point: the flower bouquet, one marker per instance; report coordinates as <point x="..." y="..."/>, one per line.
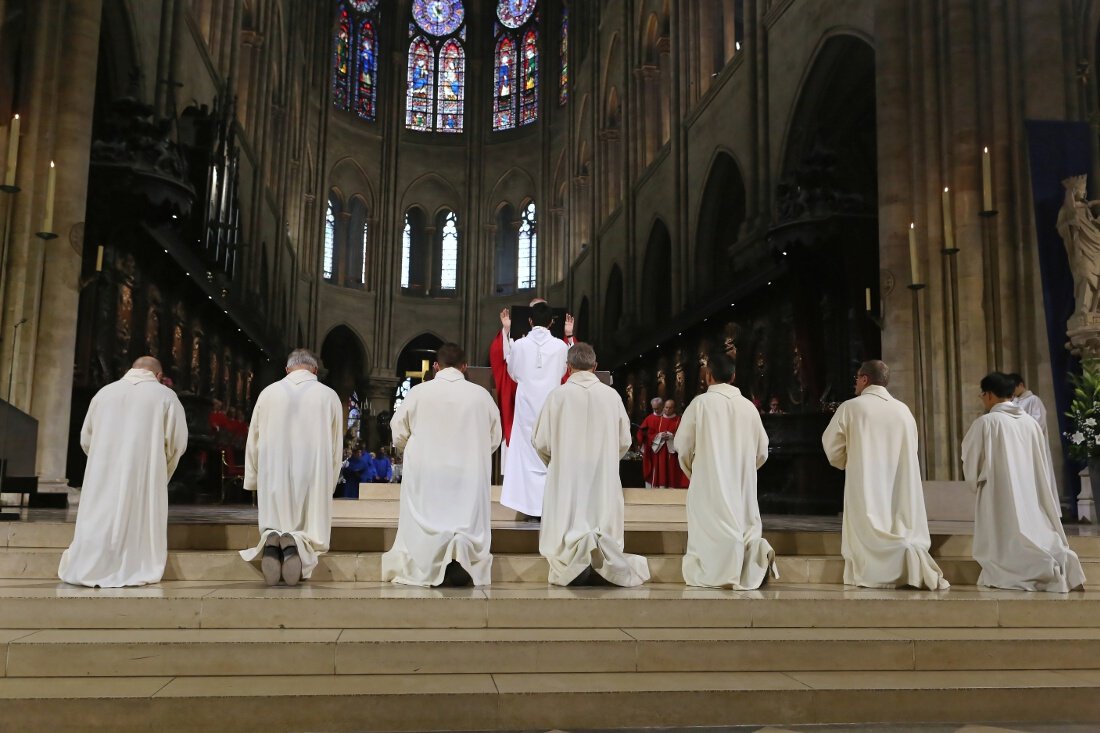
<point x="1084" y="415"/>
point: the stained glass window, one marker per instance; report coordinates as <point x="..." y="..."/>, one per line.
<point x="406" y="252"/>
<point x="563" y="60"/>
<point x="452" y="84"/>
<point x="505" y="85"/>
<point x="448" y="275"/>
<point x="528" y="248"/>
<point x="355" y="59"/>
<point x="329" y="265"/>
<point x="341" y="58"/>
<point x="419" y="107"/>
<point x="514" y="13"/>
<point x="363" y="277"/>
<point x="529" y="93"/>
<point x="436" y="82"/>
<point x="367" y="77"/>
<point x="439" y="17"/>
<point x="516" y="64"/>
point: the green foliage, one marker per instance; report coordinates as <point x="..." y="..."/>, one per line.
<point x="1084" y="415"/>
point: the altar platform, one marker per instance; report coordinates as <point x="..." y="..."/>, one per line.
<point x="212" y="648"/>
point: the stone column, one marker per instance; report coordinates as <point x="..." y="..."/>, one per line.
<point x="54" y="352"/>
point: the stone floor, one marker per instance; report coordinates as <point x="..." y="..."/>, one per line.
<point x="238" y="514"/>
<point x="935" y="728"/>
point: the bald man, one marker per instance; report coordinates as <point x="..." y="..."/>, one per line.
<point x="134" y="434"/>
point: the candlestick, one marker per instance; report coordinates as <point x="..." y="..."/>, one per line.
<point x="914" y="262"/>
<point x="987" y="181"/>
<point x="99" y="259"/>
<point x="867" y="294"/>
<point x="948" y="221"/>
<point x="47" y="231"/>
<point x="13" y="155"/>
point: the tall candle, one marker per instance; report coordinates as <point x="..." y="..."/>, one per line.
<point x="948" y="220"/>
<point x="914" y="264"/>
<point x="99" y="258"/>
<point x="51" y="184"/>
<point x="13" y="152"/>
<point x="987" y="181"/>
<point x="867" y="293"/>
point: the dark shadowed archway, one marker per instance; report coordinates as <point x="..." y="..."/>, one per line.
<point x="655" y="296"/>
<point x="612" y="310"/>
<point x="721" y="217"/>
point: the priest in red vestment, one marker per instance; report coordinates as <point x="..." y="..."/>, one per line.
<point x="505" y="385"/>
<point x="646" y="432"/>
<point x="667" y="473"/>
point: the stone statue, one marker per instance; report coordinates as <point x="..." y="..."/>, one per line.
<point x="680" y="389"/>
<point x="662" y="377"/>
<point x="1080" y="231"/>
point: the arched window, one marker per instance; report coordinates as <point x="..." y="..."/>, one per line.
<point x="529" y="92"/>
<point x="436" y="81"/>
<point x="406" y="252"/>
<point x="452" y="87"/>
<point x="421" y="101"/>
<point x="341" y="58"/>
<point x="355" y="58"/>
<point x="516" y="64"/>
<point x="527" y="265"/>
<point x="363" y="275"/>
<point x="505" y="85"/>
<point x="448" y="260"/>
<point x="328" y="267"/>
<point x="366" y="89"/>
<point x="563" y="58"/>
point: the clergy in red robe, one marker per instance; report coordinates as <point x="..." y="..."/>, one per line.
<point x="505" y="385"/>
<point x="646" y="432"/>
<point x="667" y="473"/>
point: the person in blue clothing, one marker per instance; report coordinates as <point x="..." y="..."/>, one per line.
<point x="357" y="469"/>
<point x="383" y="467"/>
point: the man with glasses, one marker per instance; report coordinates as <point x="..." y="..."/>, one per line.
<point x="873" y="439"/>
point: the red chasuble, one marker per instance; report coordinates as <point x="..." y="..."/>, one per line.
<point x="646" y="431"/>
<point x="506" y="387"/>
<point x="666" y="464"/>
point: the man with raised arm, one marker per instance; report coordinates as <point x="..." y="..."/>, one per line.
<point x="536" y="363"/>
<point x="581" y="434"/>
<point x="505" y="385"/>
<point x="134" y="434"/>
<point x="447" y="430"/>
<point x="292" y="460"/>
<point x="884" y="535"/>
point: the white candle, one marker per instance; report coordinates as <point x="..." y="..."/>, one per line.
<point x="51" y="184"/>
<point x="948" y="220"/>
<point x="914" y="264"/>
<point x="987" y="181"/>
<point x="99" y="259"/>
<point x="867" y="293"/>
<point x="13" y="152"/>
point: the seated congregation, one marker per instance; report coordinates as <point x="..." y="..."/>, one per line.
<point x="448" y="428"/>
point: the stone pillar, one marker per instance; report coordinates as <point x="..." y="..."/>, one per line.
<point x="164" y="58"/>
<point x="55" y="326"/>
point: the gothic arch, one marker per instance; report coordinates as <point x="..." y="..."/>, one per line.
<point x="347" y="175"/>
<point x="513" y="186"/>
<point x="431" y="192"/>
<point x="612" y="309"/>
<point x="344" y="359"/>
<point x="582" y="325"/>
<point x="416" y="349"/>
<point x="655" y="300"/>
<point x="718" y="227"/>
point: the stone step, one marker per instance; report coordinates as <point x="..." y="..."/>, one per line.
<point x="542" y="701"/>
<point x="26" y="604"/>
<point x="201" y="565"/>
<point x="257" y="652"/>
<point x="647" y="538"/>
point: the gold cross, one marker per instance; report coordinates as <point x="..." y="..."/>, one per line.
<point x="424" y="366"/>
